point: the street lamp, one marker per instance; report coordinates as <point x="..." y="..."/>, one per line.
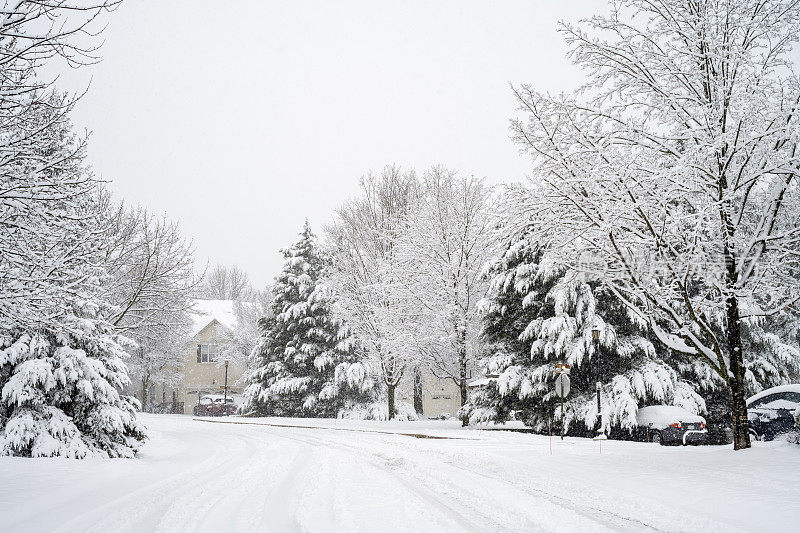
<point x="225" y="393"/>
<point x="596" y="342"/>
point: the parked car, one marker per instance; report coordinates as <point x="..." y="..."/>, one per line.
<point x="215" y="405"/>
<point x="669" y="424"/>
<point x="772" y="412"/>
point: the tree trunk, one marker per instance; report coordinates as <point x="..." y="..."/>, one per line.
<point x="462" y="364"/>
<point x="462" y="382"/>
<point x="390" y="394"/>
<point x="144" y="394"/>
<point x="418" y="407"/>
<point x="462" y="371"/>
<point x="741" y="433"/>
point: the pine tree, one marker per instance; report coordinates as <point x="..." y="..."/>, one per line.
<point x="305" y="362"/>
<point x="537" y="315"/>
<point x="61" y="390"/>
<point x="61" y="361"/>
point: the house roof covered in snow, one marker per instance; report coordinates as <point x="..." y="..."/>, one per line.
<point x="206" y="311"/>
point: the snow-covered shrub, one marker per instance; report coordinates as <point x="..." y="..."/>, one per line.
<point x="404" y="411"/>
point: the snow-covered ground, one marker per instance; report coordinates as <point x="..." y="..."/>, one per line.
<point x="244" y="475"/>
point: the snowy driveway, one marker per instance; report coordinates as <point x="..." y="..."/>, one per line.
<point x="343" y="476"/>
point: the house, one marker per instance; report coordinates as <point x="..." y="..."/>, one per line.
<point x="204" y="356"/>
<point x="202" y="363"/>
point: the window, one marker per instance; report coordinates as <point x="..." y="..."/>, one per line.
<point x="207" y="352"/>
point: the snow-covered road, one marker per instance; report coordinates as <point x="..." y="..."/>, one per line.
<point x="243" y="475"/>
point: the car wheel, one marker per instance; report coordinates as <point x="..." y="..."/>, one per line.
<point x="655" y="437"/>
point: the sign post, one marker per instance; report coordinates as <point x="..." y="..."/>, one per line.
<point x="562" y="389"/>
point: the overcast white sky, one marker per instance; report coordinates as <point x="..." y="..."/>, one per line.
<point x="241" y="119"/>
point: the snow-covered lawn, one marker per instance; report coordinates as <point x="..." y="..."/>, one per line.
<point x="244" y="475"/>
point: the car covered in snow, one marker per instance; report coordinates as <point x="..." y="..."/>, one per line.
<point x="773" y="412"/>
<point x="670" y="424"/>
<point x="215" y="405"/>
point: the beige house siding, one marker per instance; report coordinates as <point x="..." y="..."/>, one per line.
<point x="207" y="378"/>
<point x="440" y="396"/>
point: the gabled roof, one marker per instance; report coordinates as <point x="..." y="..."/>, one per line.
<point x="206" y="311"/>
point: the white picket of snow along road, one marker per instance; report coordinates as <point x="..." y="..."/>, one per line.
<point x="333" y="475"/>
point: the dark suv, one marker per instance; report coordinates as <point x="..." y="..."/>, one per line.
<point x="772" y="412"/>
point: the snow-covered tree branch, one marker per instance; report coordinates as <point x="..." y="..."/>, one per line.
<point x="227" y="283"/>
<point x="150" y="267"/>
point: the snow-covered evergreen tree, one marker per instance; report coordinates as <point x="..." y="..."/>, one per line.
<point x="305" y="362"/>
<point x="772" y="350"/>
<point x="771" y="358"/>
<point x="61" y="390"/>
<point x="61" y="361"/>
<point x="537" y="315"/>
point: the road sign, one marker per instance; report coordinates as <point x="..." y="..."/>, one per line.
<point x="562" y="385"/>
<point x="562" y="368"/>
<point x="562" y="389"/>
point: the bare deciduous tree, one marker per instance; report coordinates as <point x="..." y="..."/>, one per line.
<point x="150" y="267"/>
<point x="364" y="273"/>
<point x="227" y="283"/>
<point x="445" y="243"/>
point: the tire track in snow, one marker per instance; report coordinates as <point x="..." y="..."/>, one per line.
<point x="140" y="505"/>
<point x="275" y="515"/>
<point x="424" y="489"/>
<point x="230" y="500"/>
<point x="606" y="517"/>
<point x="423" y="493"/>
<point x="145" y="508"/>
<point x="602" y="517"/>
